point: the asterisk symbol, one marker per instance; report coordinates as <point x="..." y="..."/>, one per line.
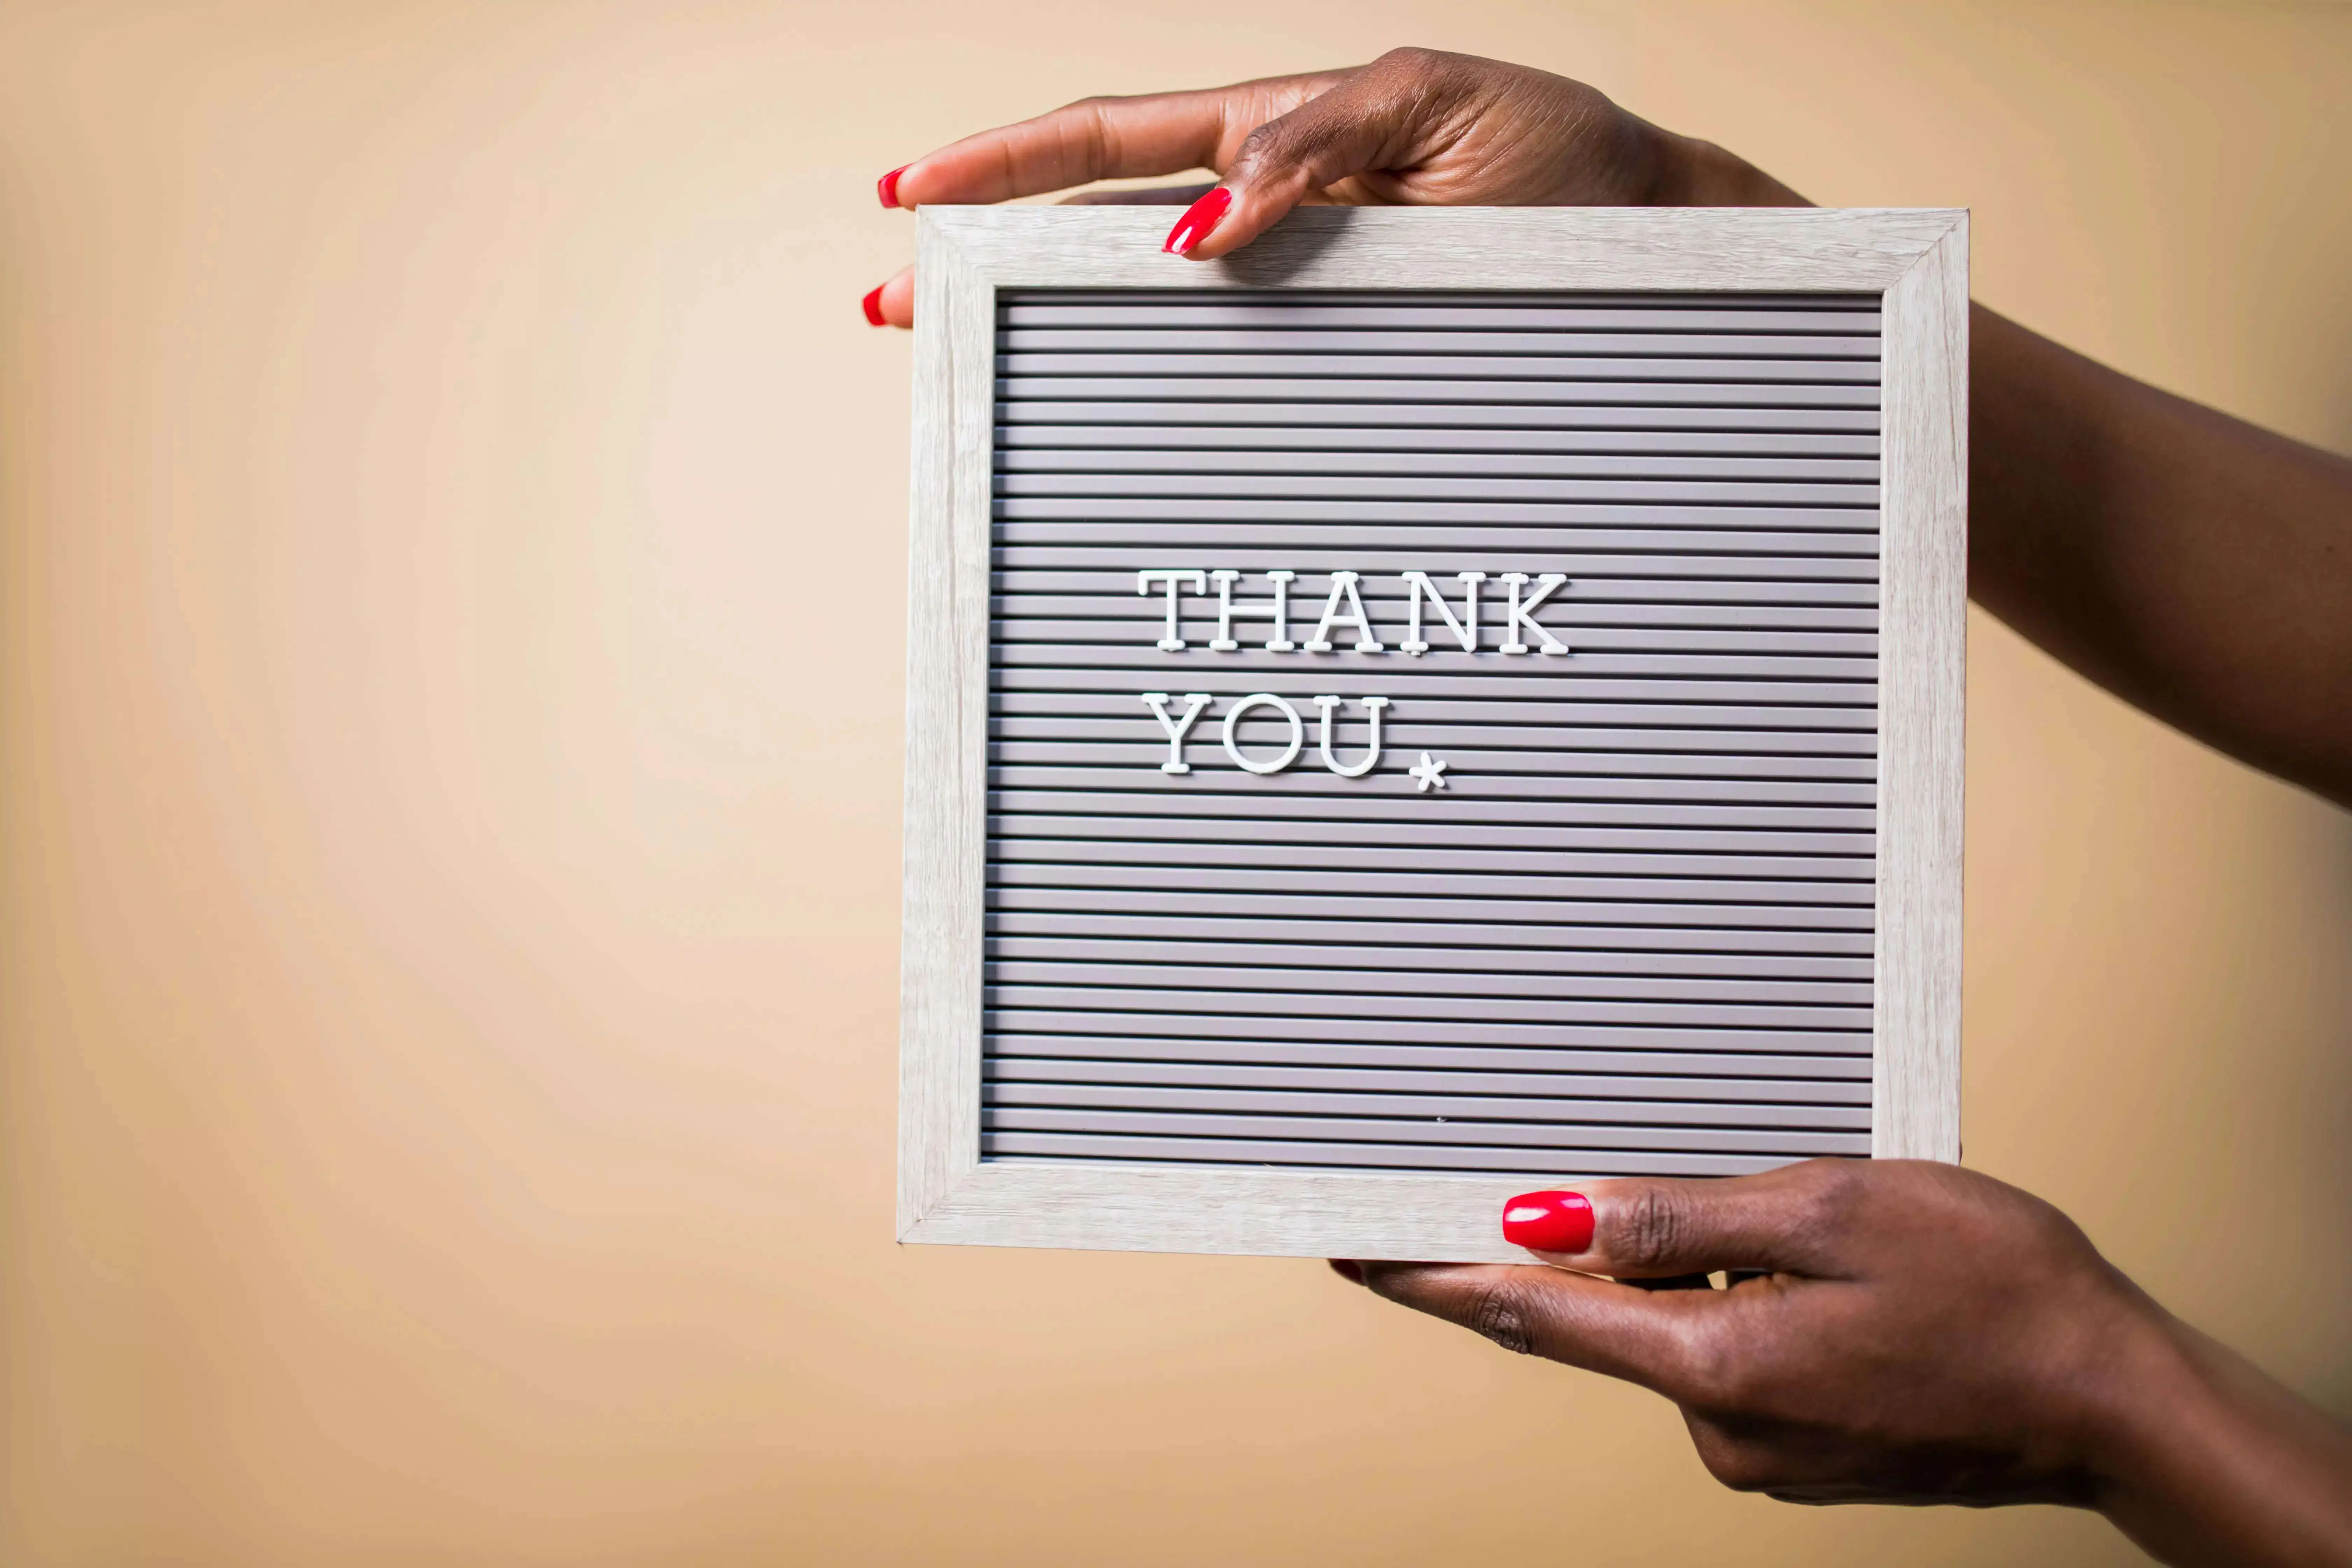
<point x="1429" y="775"/>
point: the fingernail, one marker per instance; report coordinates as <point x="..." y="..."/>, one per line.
<point x="874" y="308"/>
<point x="1353" y="1273"/>
<point x="1198" y="219"/>
<point x="887" y="187"/>
<point x="1549" y="1222"/>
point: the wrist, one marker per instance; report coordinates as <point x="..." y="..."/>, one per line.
<point x="1685" y="171"/>
<point x="2200" y="1458"/>
<point x="2147" y="1390"/>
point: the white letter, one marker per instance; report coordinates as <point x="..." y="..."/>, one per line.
<point x="1157" y="703"/>
<point x="1416" y="583"/>
<point x="1224" y="578"/>
<point x="1372" y="758"/>
<point x="1343" y="585"/>
<point x="1521" y="615"/>
<point x="1298" y="733"/>
<point x="1171" y="643"/>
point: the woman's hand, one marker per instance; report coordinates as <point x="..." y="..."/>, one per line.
<point x="1904" y="1331"/>
<point x="2195" y="565"/>
<point x="1413" y="128"/>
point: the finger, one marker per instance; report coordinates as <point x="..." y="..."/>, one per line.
<point x="1643" y="1337"/>
<point x="893" y="304"/>
<point x="1780" y="1222"/>
<point x="1102" y="139"/>
<point x="1381" y="117"/>
<point x="1353" y="1273"/>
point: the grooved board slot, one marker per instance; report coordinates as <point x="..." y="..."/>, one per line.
<point x="1633" y="933"/>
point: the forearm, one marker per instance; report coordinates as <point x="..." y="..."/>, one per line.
<point x="2197" y="566"/>
<point x="2209" y="1462"/>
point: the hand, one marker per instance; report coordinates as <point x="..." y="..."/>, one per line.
<point x="1916" y="1333"/>
<point x="2193" y="564"/>
<point x="1413" y="128"/>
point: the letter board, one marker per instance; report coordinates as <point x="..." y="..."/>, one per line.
<point x="1438" y="703"/>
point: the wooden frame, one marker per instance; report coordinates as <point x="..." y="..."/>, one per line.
<point x="1916" y="259"/>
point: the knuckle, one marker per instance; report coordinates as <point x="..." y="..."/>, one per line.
<point x="1102" y="134"/>
<point x="1504" y="1311"/>
<point x="2053" y="1229"/>
<point x="1413" y="58"/>
<point x="1838" y="1181"/>
<point x="1744" y="1467"/>
<point x="1717" y="1373"/>
<point x="1837" y="1191"/>
<point x="1733" y="1455"/>
<point x="1286" y="145"/>
<point x="1261" y="144"/>
<point x="1649" y="1228"/>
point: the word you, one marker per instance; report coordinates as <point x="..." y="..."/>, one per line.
<point x="1428" y="775"/>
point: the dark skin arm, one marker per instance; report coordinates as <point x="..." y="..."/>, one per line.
<point x="2196" y="565"/>
<point x="1916" y="1332"/>
<point x="1920" y="1334"/>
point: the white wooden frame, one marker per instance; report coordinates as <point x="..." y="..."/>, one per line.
<point x="1916" y="259"/>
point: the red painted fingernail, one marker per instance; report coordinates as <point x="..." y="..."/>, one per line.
<point x="1549" y="1222"/>
<point x="874" y="308"/>
<point x="1198" y="219"/>
<point x="1353" y="1273"/>
<point x="887" y="187"/>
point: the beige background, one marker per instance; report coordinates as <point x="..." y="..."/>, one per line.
<point x="453" y="522"/>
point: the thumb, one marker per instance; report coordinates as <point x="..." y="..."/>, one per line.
<point x="1374" y="119"/>
<point x="1643" y="1229"/>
